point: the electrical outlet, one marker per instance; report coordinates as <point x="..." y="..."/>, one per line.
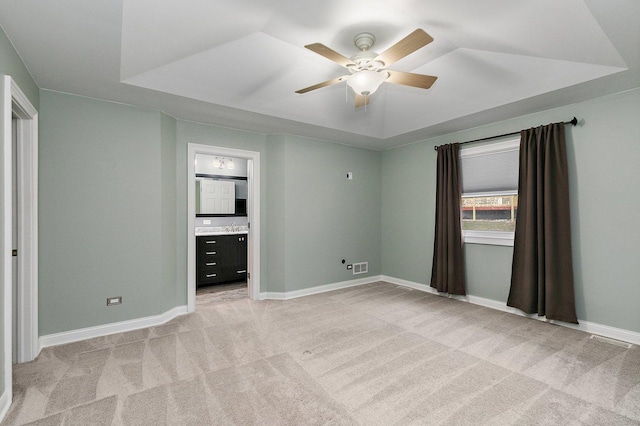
<point x="114" y="300"/>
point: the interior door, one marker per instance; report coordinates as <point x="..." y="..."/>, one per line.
<point x="217" y="196"/>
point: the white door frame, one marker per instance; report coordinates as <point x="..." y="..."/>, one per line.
<point x="15" y="103"/>
<point x="253" y="213"/>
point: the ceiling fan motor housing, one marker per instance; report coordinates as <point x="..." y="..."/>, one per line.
<point x="365" y="61"/>
<point x="365" y="58"/>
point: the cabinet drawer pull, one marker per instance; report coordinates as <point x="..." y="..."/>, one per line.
<point x="210" y="252"/>
<point x="211" y="242"/>
<point x="211" y="275"/>
<point x="241" y="272"/>
<point x="211" y="264"/>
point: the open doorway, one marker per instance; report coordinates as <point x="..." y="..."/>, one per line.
<point x="221" y="228"/>
<point x="243" y="211"/>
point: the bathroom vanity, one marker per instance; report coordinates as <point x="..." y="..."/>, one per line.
<point x="221" y="255"/>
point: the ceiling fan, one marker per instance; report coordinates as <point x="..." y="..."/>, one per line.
<point x="368" y="70"/>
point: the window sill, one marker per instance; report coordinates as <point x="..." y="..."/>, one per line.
<point x="494" y="238"/>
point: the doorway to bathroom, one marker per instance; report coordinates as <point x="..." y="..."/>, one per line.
<point x="219" y="184"/>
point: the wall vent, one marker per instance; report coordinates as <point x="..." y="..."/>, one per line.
<point x="360" y="268"/>
<point x="611" y="341"/>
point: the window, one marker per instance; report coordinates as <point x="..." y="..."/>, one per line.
<point x="490" y="192"/>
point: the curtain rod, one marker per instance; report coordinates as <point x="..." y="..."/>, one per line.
<point x="573" y="121"/>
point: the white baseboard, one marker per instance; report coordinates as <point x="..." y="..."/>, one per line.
<point x="410" y="284"/>
<point x="5" y="403"/>
<point x="586" y="326"/>
<point x="106" y="329"/>
<point x="318" y="289"/>
<point x="103" y="330"/>
<point x="119" y="327"/>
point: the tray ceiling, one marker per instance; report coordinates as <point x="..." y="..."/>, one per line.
<point x="237" y="63"/>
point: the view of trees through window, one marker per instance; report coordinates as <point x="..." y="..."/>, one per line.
<point x="493" y="213"/>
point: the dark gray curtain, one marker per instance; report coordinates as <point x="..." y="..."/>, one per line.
<point x="447" y="272"/>
<point x="542" y="271"/>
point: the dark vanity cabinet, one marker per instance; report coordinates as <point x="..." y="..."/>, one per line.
<point x="220" y="259"/>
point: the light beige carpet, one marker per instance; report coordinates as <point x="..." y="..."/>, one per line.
<point x="213" y="294"/>
<point x="377" y="354"/>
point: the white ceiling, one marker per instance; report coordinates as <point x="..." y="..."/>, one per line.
<point x="237" y="63"/>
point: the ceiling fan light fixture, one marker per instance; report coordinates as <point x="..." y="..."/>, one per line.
<point x="369" y="69"/>
<point x="366" y="82"/>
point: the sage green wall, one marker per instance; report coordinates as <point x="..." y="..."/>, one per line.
<point x="407" y="215"/>
<point x="2" y="236"/>
<point x="327" y="217"/>
<point x="168" y="209"/>
<point x="603" y="153"/>
<point x="11" y="64"/>
<point x="311" y="216"/>
<point x="276" y="213"/>
<point x="113" y="210"/>
<point x="106" y="212"/>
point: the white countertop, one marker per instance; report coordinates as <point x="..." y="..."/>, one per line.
<point x="221" y="230"/>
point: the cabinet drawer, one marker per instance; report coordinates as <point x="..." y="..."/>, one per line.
<point x="208" y="264"/>
<point x="211" y="276"/>
<point x="207" y="243"/>
<point x="208" y="256"/>
<point x="237" y="274"/>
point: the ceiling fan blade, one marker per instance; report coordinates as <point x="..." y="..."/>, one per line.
<point x="414" y="41"/>
<point x="330" y="54"/>
<point x="323" y="84"/>
<point x="361" y="100"/>
<point x="409" y="79"/>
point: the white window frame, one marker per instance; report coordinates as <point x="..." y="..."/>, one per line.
<point x="495" y="238"/>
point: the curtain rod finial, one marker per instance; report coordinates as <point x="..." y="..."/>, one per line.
<point x="574" y="121"/>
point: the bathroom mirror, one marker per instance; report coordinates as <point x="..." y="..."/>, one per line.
<point x="216" y="196"/>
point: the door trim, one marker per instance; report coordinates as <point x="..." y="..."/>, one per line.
<point x="253" y="214"/>
<point x="16" y="103"/>
<point x="27" y="131"/>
